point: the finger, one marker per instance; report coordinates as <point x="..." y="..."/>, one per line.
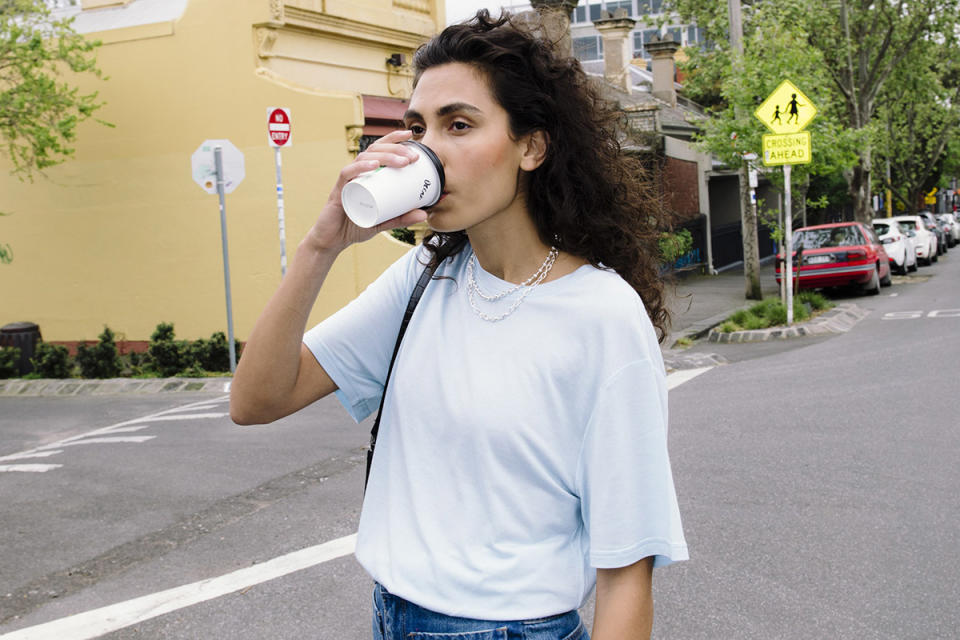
<point x="396" y="136"/>
<point x="392" y="156"/>
<point x="353" y="170"/>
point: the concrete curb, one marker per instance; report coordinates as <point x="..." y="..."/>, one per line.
<point x="77" y="387"/>
<point x="840" y="319"/>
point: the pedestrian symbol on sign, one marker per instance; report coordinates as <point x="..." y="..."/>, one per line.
<point x="786" y="100"/>
<point x="794" y="109"/>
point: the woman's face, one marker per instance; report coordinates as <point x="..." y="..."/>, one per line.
<point x="453" y="111"/>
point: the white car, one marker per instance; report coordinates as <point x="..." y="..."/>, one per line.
<point x="954" y="225"/>
<point x="924" y="240"/>
<point x="898" y="245"/>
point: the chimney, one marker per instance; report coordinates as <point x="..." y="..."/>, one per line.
<point x="664" y="68"/>
<point x="555" y="22"/>
<point x="617" y="48"/>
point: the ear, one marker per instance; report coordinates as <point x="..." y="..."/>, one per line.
<point x="534" y="147"/>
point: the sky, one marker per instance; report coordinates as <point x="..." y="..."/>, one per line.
<point x="458" y="10"/>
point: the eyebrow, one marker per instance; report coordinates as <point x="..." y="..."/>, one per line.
<point x="453" y="107"/>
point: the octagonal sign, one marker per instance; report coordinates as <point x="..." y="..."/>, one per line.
<point x="204" y="166"/>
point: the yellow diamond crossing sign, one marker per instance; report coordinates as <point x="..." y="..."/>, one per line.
<point x="786" y="110"/>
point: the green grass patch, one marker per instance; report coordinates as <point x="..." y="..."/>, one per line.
<point x="773" y="313"/>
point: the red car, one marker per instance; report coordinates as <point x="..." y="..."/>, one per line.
<point x="840" y="255"/>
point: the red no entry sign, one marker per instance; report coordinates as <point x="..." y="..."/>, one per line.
<point x="278" y="127"/>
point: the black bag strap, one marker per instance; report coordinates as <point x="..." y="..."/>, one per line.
<point x="443" y="251"/>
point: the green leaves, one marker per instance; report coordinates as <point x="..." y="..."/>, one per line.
<point x="39" y="111"/>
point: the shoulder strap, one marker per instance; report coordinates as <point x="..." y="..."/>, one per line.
<point x="443" y="252"/>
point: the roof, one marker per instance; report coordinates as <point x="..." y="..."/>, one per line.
<point x="682" y="118"/>
<point x="136" y="13"/>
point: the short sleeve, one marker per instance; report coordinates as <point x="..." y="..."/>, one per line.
<point x="627" y="495"/>
<point x="354" y="344"/>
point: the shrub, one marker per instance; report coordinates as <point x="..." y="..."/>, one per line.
<point x="167" y="356"/>
<point x="9" y="362"/>
<point x="403" y="235"/>
<point x="102" y="360"/>
<point x="52" y="361"/>
<point x="729" y="327"/>
<point x="816" y="300"/>
<point x="740" y="317"/>
<point x="674" y="245"/>
<point x="215" y="355"/>
<point x="755" y="322"/>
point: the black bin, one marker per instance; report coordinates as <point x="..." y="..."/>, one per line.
<point x="23" y="336"/>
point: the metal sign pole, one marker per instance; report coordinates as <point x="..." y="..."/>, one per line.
<point x="788" y="241"/>
<point x="280" y="217"/>
<point x="218" y="159"/>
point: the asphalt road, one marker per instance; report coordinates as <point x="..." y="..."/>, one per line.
<point x="817" y="481"/>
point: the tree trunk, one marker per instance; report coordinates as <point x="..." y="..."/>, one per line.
<point x="748" y="228"/>
<point x="859" y="184"/>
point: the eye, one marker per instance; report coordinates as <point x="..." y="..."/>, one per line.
<point x="459" y="125"/>
<point x="418" y="130"/>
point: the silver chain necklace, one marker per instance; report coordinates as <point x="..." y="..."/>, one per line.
<point x="474" y="291"/>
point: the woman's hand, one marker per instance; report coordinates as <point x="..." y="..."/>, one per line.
<point x="333" y="230"/>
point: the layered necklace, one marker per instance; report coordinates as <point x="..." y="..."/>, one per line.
<point x="524" y="288"/>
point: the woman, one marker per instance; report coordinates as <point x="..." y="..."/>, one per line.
<point x="522" y="452"/>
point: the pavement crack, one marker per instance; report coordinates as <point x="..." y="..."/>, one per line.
<point x="119" y="559"/>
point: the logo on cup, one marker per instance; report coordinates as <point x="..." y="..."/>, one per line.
<point x="426" y="185"/>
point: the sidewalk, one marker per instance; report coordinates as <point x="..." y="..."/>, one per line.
<point x="700" y="302"/>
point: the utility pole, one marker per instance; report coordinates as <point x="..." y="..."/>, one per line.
<point x="748" y="213"/>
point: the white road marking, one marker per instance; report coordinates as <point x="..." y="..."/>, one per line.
<point x="136" y="424"/>
<point x="178" y="416"/>
<point x="116" y="440"/>
<point x="35" y="454"/>
<point x="677" y="378"/>
<point x="32" y="468"/>
<point x="128" y="429"/>
<point x="97" y="622"/>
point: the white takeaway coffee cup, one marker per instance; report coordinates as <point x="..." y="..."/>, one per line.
<point x="387" y="192"/>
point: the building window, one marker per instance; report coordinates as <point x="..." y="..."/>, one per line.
<point x="675" y="34"/>
<point x="620" y="4"/>
<point x="651" y="7"/>
<point x="580" y="13"/>
<point x="588" y="48"/>
<point x="640" y="38"/>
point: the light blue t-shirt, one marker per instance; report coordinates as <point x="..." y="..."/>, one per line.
<point x="514" y="457"/>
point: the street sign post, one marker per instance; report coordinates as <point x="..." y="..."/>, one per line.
<point x="279" y="131"/>
<point x="786" y="112"/>
<point x="218" y="168"/>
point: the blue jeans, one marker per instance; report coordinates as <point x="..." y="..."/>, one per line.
<point x="397" y="619"/>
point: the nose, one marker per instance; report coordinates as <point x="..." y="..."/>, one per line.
<point x="432" y="141"/>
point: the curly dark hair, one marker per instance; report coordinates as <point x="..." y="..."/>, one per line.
<point x="588" y="197"/>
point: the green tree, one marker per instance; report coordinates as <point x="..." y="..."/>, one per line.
<point x="919" y="114"/>
<point x="40" y="109"/>
<point x="863" y="42"/>
<point x="776" y="47"/>
<point x="854" y="44"/>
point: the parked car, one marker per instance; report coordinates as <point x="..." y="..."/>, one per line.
<point x="839" y="255"/>
<point x="950" y="226"/>
<point x="925" y="241"/>
<point x="931" y="223"/>
<point x="897" y="244"/>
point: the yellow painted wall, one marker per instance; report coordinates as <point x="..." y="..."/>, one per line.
<point x="121" y="235"/>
